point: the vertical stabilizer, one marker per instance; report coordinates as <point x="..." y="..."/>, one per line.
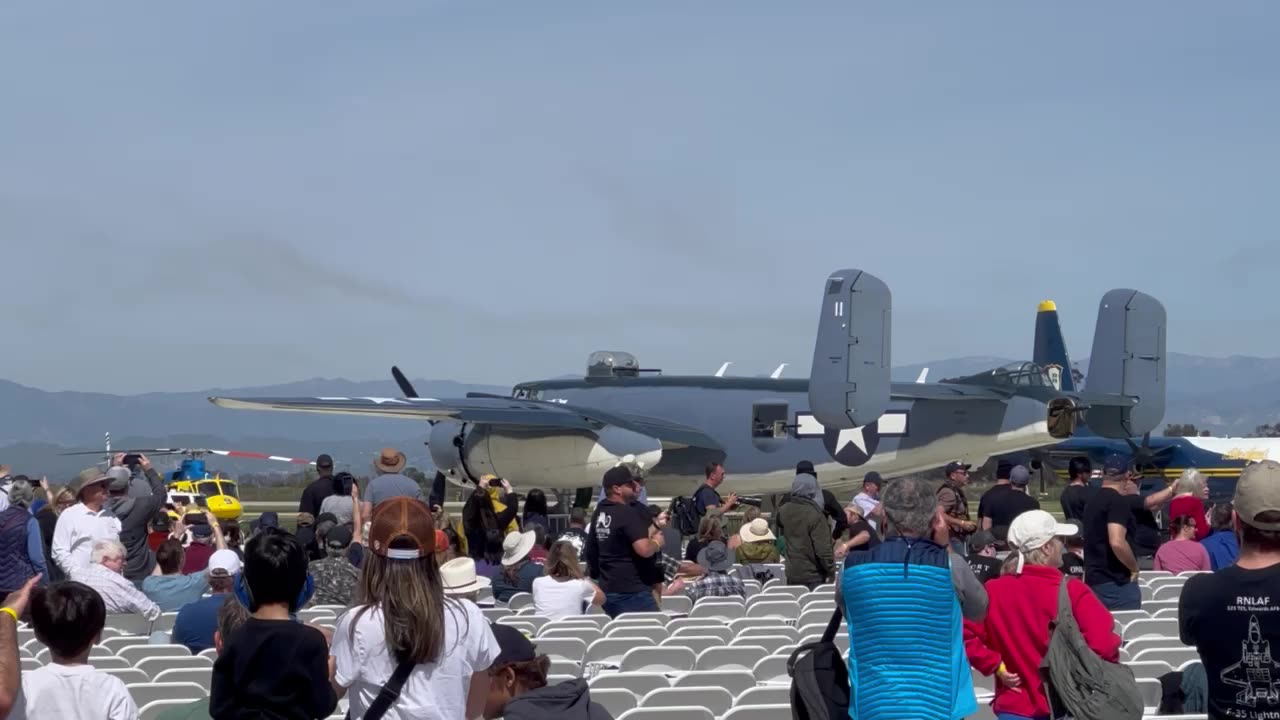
<point x="1128" y="360"/>
<point x="1050" y="350"/>
<point x="849" y="385"/>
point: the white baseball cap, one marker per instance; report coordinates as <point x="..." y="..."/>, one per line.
<point x="224" y="563"/>
<point x="1034" y="528"/>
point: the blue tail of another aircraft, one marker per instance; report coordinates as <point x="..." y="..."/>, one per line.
<point x="1050" y="350"/>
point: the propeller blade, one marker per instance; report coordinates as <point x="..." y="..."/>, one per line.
<point x="406" y="387"/>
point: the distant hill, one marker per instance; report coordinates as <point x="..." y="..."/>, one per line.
<point x="1230" y="395"/>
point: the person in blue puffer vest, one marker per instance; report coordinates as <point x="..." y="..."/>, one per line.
<point x="904" y="601"/>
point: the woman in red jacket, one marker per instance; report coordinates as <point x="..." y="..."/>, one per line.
<point x="1011" y="641"/>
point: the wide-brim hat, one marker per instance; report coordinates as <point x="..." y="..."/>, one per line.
<point x="756" y="530"/>
<point x="516" y="546"/>
<point x="90" y="477"/>
<point x="458" y="576"/>
<point x="390" y="460"/>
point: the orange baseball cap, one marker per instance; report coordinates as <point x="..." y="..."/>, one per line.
<point x="404" y="523"/>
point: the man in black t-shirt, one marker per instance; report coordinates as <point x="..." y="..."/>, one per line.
<point x="1232" y="617"/>
<point x="1111" y="567"/>
<point x="1076" y="495"/>
<point x="707" y="496"/>
<point x="1002" y="503"/>
<point x="621" y="544"/>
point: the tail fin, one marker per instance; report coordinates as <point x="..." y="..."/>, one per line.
<point x="849" y="383"/>
<point x="1128" y="360"/>
<point x="1050" y="350"/>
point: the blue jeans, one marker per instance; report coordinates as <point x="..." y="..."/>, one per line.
<point x="1115" y="596"/>
<point x="616" y="604"/>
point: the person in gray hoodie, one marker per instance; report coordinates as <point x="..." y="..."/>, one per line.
<point x="518" y="687"/>
<point x="807" y="534"/>
<point x="135" y="514"/>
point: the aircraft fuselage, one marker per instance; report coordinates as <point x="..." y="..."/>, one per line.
<point x="913" y="435"/>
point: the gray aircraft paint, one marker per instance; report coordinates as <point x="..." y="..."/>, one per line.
<point x="571" y="429"/>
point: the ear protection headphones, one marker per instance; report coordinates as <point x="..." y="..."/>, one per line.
<point x="245" y="596"/>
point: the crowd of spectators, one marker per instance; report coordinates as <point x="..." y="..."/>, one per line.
<point x="929" y="584"/>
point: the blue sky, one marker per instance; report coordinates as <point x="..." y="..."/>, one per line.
<point x="246" y="193"/>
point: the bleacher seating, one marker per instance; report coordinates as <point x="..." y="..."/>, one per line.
<point x="717" y="659"/>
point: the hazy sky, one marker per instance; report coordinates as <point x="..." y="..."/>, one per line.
<point x="247" y="193"/>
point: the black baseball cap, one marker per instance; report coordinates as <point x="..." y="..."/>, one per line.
<point x="804" y="467"/>
<point x="955" y="465"/>
<point x="615" y="476"/>
<point x="338" y="537"/>
<point x="324" y="461"/>
<point x="513" y="646"/>
<point x="874" y="478"/>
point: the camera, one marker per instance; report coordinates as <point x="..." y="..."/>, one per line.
<point x="751" y="500"/>
<point x="131" y="460"/>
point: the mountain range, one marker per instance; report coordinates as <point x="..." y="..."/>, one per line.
<point x="1227" y="396"/>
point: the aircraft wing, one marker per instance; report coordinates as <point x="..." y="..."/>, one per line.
<point x="946" y="391"/>
<point x="481" y="410"/>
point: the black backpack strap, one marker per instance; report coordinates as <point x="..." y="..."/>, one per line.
<point x="829" y="635"/>
<point x="390" y="692"/>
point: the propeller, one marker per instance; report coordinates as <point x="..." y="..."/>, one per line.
<point x="1144" y="455"/>
<point x="406" y="387"/>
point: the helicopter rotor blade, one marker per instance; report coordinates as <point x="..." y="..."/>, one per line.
<point x="258" y="456"/>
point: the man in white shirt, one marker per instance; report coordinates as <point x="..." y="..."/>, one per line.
<point x="84" y="523"/>
<point x="105" y="573"/>
<point x="868" y="501"/>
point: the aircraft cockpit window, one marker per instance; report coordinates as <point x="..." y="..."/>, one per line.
<point x="229" y="489"/>
<point x="208" y="487"/>
<point x="523" y="393"/>
<point x="1022" y="375"/>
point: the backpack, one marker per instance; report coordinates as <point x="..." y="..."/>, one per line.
<point x="1077" y="681"/>
<point x="820" y="678"/>
<point x="684" y="515"/>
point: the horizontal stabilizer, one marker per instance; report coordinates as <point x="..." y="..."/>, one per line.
<point x="849" y="385"/>
<point x="1128" y="360"/>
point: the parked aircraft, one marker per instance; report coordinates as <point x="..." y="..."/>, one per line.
<point x="1219" y="458"/>
<point x="847" y="417"/>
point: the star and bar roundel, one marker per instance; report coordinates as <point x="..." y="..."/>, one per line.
<point x="854" y="446"/>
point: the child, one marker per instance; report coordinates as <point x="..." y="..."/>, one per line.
<point x="518" y="688"/>
<point x="68" y="618"/>
<point x="1073" y="558"/>
<point x="273" y="666"/>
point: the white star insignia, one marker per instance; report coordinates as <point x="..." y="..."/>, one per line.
<point x="852" y="436"/>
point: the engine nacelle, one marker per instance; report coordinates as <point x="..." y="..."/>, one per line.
<point x="1062" y="418"/>
<point x="529" y="457"/>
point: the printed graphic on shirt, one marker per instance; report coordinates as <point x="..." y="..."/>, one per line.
<point x="577" y="541"/>
<point x="602" y="527"/>
<point x="1257" y="674"/>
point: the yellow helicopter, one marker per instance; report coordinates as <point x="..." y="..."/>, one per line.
<point x="192" y="486"/>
